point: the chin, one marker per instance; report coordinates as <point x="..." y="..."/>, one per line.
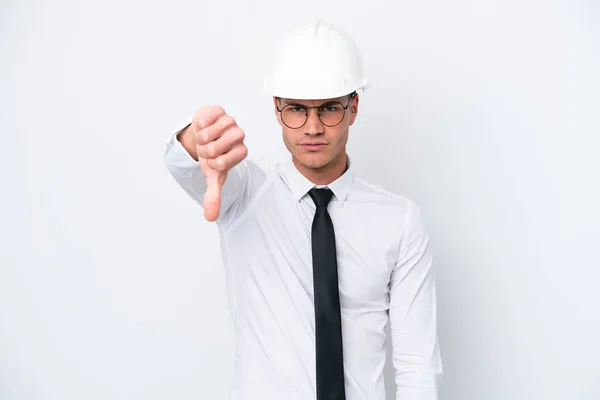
<point x="313" y="161"/>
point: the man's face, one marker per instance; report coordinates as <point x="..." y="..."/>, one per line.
<point x="316" y="145"/>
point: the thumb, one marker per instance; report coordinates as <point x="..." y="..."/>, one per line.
<point x="212" y="197"/>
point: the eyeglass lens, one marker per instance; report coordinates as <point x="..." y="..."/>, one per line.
<point x="295" y="115"/>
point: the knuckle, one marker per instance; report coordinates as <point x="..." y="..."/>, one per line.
<point x="201" y="111"/>
<point x="201" y="137"/>
<point x="228" y="120"/>
<point x="207" y="115"/>
<point x="241" y="135"/>
<point x="236" y="135"/>
<point x="213" y="110"/>
<point x="220" y="164"/>
<point x="211" y="163"/>
<point x="211" y="150"/>
<point x="201" y="151"/>
<point x="243" y="152"/>
<point x="197" y="122"/>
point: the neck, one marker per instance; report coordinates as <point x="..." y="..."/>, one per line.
<point x="326" y="174"/>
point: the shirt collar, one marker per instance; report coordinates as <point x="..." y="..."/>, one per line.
<point x="299" y="185"/>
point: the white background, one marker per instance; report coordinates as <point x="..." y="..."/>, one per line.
<point x="485" y="113"/>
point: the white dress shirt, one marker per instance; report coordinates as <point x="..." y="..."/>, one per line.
<point x="384" y="268"/>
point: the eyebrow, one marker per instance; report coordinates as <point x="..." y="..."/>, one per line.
<point x="291" y="103"/>
<point x="295" y="103"/>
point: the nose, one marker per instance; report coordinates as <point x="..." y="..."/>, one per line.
<point x="313" y="125"/>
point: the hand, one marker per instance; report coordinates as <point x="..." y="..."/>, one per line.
<point x="220" y="146"/>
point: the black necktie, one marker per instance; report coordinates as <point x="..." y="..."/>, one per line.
<point x="328" y="321"/>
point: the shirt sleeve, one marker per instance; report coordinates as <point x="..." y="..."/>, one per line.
<point x="416" y="355"/>
<point x="241" y="184"/>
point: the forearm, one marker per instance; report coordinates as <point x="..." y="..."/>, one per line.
<point x="416" y="358"/>
<point x="416" y="354"/>
<point x="183" y="165"/>
<point x="413" y="315"/>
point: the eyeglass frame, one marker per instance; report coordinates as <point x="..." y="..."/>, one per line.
<point x="352" y="95"/>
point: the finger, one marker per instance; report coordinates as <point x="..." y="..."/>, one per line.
<point x="230" y="137"/>
<point x="212" y="200"/>
<point x="230" y="159"/>
<point x="215" y="130"/>
<point x="206" y="116"/>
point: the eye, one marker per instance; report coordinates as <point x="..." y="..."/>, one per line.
<point x="293" y="108"/>
<point x="332" y="107"/>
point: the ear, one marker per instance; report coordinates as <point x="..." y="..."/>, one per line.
<point x="353" y="109"/>
<point x="277" y="114"/>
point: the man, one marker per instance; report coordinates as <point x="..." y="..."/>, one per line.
<point x="317" y="260"/>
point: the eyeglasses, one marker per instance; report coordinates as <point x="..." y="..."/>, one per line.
<point x="332" y="113"/>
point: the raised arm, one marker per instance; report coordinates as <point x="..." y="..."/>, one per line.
<point x="208" y="160"/>
<point x="413" y="324"/>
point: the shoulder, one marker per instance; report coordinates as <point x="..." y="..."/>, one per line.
<point x="396" y="219"/>
<point x="259" y="165"/>
<point x="396" y="209"/>
<point x="379" y="195"/>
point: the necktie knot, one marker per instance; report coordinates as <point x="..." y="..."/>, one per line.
<point x="321" y="196"/>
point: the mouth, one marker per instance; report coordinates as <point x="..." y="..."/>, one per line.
<point x="313" y="146"/>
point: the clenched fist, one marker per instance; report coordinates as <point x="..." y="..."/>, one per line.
<point x="219" y="143"/>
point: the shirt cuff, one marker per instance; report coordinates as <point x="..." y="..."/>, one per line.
<point x="175" y="153"/>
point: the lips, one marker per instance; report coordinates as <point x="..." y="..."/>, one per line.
<point x="310" y="146"/>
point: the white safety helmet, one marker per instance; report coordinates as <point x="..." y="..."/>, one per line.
<point x="316" y="61"/>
